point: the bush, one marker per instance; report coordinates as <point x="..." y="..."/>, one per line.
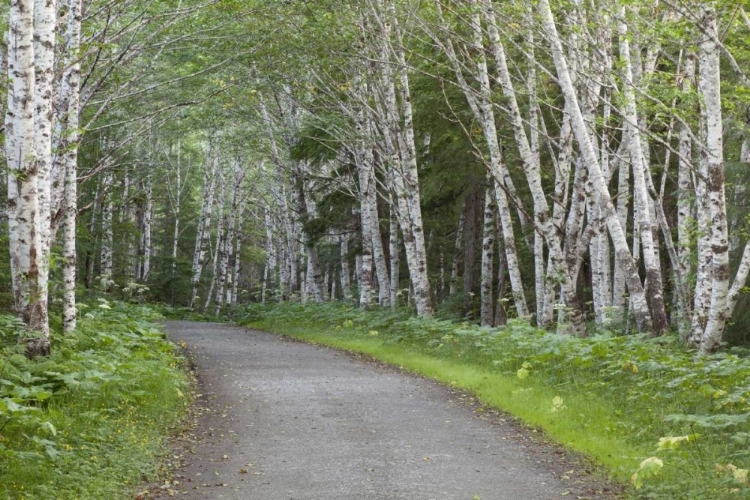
<point x="89" y="420"/>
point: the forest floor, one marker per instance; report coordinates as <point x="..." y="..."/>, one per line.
<point x="281" y="419"/>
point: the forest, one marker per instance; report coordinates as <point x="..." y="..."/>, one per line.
<point x="577" y="166"/>
<point x="427" y="155"/>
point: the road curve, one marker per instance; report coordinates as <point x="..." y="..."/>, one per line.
<point x="284" y="420"/>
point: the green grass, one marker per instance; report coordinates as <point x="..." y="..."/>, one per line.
<point x="618" y="395"/>
<point x="92" y="420"/>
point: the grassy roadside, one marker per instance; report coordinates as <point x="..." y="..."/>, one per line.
<point x="636" y="406"/>
<point x="91" y="421"/>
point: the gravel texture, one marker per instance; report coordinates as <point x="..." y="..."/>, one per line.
<point x="284" y="420"/>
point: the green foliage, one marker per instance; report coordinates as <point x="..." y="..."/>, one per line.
<point x="89" y="421"/>
<point x="689" y="413"/>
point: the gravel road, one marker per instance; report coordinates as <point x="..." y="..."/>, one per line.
<point x="285" y="420"/>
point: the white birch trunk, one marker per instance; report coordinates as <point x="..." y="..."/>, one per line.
<point x="45" y="20"/>
<point x="501" y="316"/>
<point x="148" y="215"/>
<point x="560" y="199"/>
<point x="378" y="256"/>
<point x="395" y="254"/>
<point x="106" y="257"/>
<point x="487" y="310"/>
<point x="284" y="266"/>
<point x="405" y="179"/>
<point x="482" y="108"/>
<point x="712" y="155"/>
<point x="269" y="278"/>
<point x="685" y="194"/>
<point x="233" y="297"/>
<point x="23" y="197"/>
<point x="640" y="304"/>
<point x="641" y="196"/>
<point x="226" y="281"/>
<point x="227" y="244"/>
<point x="176" y="199"/>
<point x="346" y="289"/>
<point x="204" y="224"/>
<point x="619" y="289"/>
<point x="71" y="83"/>
<point x="220" y="239"/>
<point x="93" y="226"/>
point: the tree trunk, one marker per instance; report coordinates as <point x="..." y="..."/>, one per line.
<point x="220" y="239"/>
<point x="378" y="255"/>
<point x="105" y="256"/>
<point x="71" y="86"/>
<point x="394" y="253"/>
<point x="269" y="278"/>
<point x="45" y="21"/>
<point x="148" y="215"/>
<point x="488" y="246"/>
<point x="501" y="316"/>
<point x="346" y="290"/>
<point x="23" y="197"/>
<point x="405" y="177"/>
<point x="712" y="165"/>
<point x="204" y="222"/>
<point x="685" y="194"/>
<point x="642" y="199"/>
<point x="622" y="252"/>
<point x="233" y="297"/>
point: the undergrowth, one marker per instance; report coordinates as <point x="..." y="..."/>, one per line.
<point x="670" y="424"/>
<point x="89" y="421"/>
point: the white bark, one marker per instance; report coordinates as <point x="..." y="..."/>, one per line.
<point x="712" y="156"/>
<point x="488" y="245"/>
<point x="106" y="257"/>
<point x="378" y="255"/>
<point x="23" y="196"/>
<point x="148" y="214"/>
<point x="228" y="243"/>
<point x="685" y="194"/>
<point x="45" y="20"/>
<point x="233" y="297"/>
<point x="346" y="289"/>
<point x="220" y="239"/>
<point x="404" y="175"/>
<point x="204" y="223"/>
<point x="641" y="198"/>
<point x="453" y="286"/>
<point x="640" y="304"/>
<point x="482" y="108"/>
<point x="71" y="86"/>
<point x="394" y="250"/>
<point x="269" y="278"/>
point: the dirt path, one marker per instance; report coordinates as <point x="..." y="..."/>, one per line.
<point x="284" y="420"/>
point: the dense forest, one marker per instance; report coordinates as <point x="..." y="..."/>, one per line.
<point x="579" y="164"/>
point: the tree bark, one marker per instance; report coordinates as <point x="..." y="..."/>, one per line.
<point x="105" y="256"/>
<point x="712" y="164"/>
<point x="395" y="255"/>
<point x="488" y="245"/>
<point x="642" y="199"/>
<point x="71" y="86"/>
<point x="622" y="252"/>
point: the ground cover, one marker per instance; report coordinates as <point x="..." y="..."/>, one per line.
<point x="91" y="420"/>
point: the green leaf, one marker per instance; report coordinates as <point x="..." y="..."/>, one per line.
<point x="650" y="467"/>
